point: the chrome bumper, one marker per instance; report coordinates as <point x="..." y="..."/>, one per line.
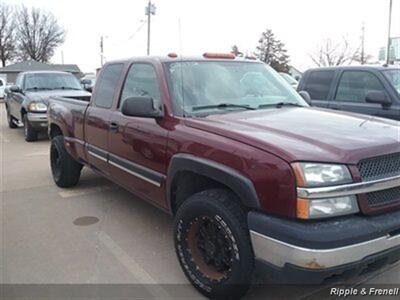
<point x="37" y="117"/>
<point x="349" y="189"/>
<point x="280" y="253"/>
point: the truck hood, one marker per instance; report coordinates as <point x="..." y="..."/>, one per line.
<point x="307" y="134"/>
<point x="43" y="96"/>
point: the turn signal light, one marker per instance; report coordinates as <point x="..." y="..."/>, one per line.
<point x="302" y="208"/>
<point x="219" y="55"/>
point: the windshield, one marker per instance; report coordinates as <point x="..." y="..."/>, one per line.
<point x="207" y="87"/>
<point x="288" y="78"/>
<point x="394" y="78"/>
<point x="51" y="81"/>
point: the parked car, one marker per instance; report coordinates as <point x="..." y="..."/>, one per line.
<point x="27" y="100"/>
<point x="293" y="82"/>
<point x="2" y="87"/>
<point x="249" y="171"/>
<point x="88" y="82"/>
<point x="366" y="90"/>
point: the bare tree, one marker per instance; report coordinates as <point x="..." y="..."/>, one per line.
<point x="7" y="33"/>
<point x="334" y="54"/>
<point x="38" y="33"/>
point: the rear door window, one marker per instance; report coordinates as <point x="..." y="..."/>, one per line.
<point x="318" y="84"/>
<point x="354" y="86"/>
<point x="107" y="86"/>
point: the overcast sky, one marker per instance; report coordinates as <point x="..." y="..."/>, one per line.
<point x="213" y="25"/>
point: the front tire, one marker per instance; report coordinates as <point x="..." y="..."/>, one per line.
<point x="66" y="171"/>
<point x="30" y="133"/>
<point x="213" y="245"/>
<point x="11" y="120"/>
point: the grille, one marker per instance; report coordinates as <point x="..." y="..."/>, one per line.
<point x="380" y="167"/>
<point x="383" y="197"/>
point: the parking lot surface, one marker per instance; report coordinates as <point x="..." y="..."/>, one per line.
<point x="94" y="233"/>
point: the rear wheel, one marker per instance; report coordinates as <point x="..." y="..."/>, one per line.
<point x="66" y="171"/>
<point x="30" y="133"/>
<point x="213" y="245"/>
<point x="11" y="120"/>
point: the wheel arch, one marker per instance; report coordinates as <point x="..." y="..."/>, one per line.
<point x="54" y="130"/>
<point x="188" y="174"/>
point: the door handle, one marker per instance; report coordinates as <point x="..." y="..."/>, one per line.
<point x="113" y="126"/>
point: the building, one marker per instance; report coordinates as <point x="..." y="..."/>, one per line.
<point x="296" y="73"/>
<point x="10" y="72"/>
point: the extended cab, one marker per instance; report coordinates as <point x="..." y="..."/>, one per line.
<point x="249" y="171"/>
<point x="366" y="90"/>
<point x="27" y="100"/>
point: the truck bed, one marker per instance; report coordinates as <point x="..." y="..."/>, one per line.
<point x="72" y="111"/>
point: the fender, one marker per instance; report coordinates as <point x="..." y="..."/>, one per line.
<point x="239" y="184"/>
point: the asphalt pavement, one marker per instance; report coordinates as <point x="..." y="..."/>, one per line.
<point x="93" y="235"/>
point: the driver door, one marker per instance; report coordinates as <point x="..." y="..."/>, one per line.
<point x="137" y="146"/>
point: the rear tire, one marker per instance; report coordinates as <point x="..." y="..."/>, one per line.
<point x="213" y="244"/>
<point x="66" y="171"/>
<point x="11" y="120"/>
<point x="30" y="133"/>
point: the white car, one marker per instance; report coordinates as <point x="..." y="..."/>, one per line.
<point x="2" y="87"/>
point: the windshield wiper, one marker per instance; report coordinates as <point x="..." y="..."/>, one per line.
<point x="67" y="88"/>
<point x="35" y="88"/>
<point x="280" y="104"/>
<point x="223" y="105"/>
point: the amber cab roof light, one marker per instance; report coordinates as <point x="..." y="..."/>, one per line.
<point x="219" y="55"/>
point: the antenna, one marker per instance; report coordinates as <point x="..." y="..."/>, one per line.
<point x="181" y="65"/>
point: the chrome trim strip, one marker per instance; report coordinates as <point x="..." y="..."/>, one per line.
<point x="349" y="189"/>
<point x="158" y="184"/>
<point x="280" y="253"/>
<point x="97" y="156"/>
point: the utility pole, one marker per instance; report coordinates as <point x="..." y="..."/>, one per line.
<point x="150" y="10"/>
<point x="389" y="30"/>
<point x="62" y="56"/>
<point x="363" y="44"/>
<point x="101" y="50"/>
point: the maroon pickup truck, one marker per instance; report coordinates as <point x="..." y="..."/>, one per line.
<point x="249" y="171"/>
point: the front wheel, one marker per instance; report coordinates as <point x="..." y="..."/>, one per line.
<point x="66" y="171"/>
<point x="30" y="133"/>
<point x="213" y="245"/>
<point x="11" y="120"/>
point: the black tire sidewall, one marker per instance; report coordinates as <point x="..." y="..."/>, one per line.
<point x="240" y="276"/>
<point x="69" y="170"/>
<point x="10" y="119"/>
<point x="29" y="132"/>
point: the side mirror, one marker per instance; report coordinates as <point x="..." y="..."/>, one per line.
<point x="377" y="97"/>
<point x="85" y="81"/>
<point x="306" y="96"/>
<point x="15" y="89"/>
<point x="140" y="107"/>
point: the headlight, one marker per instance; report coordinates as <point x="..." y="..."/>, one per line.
<point x="323" y="208"/>
<point x="316" y="175"/>
<point x="311" y="175"/>
<point x="37" y="107"/>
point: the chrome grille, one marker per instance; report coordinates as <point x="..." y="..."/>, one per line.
<point x="380" y="167"/>
<point x="383" y="197"/>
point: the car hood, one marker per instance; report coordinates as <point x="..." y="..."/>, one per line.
<point x="43" y="96"/>
<point x="307" y="134"/>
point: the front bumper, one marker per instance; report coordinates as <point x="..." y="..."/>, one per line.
<point x="38" y="120"/>
<point x="324" y="248"/>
